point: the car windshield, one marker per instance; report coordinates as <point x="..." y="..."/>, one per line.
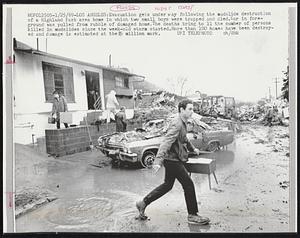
<point x="154" y="125"/>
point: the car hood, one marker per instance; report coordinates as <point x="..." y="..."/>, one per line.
<point x="132" y="136"/>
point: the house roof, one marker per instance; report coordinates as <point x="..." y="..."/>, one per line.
<point x="20" y="46"/>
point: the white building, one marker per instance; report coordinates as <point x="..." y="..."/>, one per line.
<point x="37" y="74"/>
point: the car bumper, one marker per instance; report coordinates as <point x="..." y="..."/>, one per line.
<point x="117" y="154"/>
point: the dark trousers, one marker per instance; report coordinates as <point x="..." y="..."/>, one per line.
<point x="175" y="170"/>
<point x="58" y="124"/>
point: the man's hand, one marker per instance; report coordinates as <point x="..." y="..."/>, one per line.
<point x="155" y="168"/>
<point x="197" y="151"/>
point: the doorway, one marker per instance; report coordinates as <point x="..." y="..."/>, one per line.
<point x="93" y="90"/>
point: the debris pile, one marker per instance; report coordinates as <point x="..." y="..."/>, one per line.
<point x="159" y="99"/>
<point x="145" y="115"/>
<point x="267" y="114"/>
<point x="250" y="113"/>
<point x="274" y="116"/>
<point x="161" y="104"/>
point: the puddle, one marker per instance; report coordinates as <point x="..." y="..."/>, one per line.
<point x="80" y="211"/>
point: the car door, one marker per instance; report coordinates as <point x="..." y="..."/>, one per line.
<point x="195" y="135"/>
<point x="196" y="139"/>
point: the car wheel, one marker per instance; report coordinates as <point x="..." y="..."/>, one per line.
<point x="115" y="163"/>
<point x="213" y="146"/>
<point x="148" y="159"/>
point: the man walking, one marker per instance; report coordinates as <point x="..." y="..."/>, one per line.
<point x="173" y="153"/>
<point x="59" y="105"/>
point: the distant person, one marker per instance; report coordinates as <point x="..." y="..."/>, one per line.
<point x="92" y="85"/>
<point x="92" y="97"/>
<point x="276" y="119"/>
<point x="173" y="154"/>
<point x="269" y="115"/>
<point x="139" y="94"/>
<point x="121" y="120"/>
<point x="111" y="104"/>
<point x="59" y="105"/>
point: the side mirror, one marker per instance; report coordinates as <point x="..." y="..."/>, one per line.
<point x="194" y="135"/>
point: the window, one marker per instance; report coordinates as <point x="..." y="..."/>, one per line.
<point x="58" y="77"/>
<point x="126" y="83"/>
<point x="119" y="82"/>
<point x="122" y="82"/>
<point x="58" y="82"/>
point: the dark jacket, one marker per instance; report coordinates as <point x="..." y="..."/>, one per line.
<point x="175" y="145"/>
<point x="120" y="122"/>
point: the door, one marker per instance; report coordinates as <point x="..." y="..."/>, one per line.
<point x="93" y="90"/>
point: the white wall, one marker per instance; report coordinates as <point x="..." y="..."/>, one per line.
<point x="30" y="102"/>
<point x="39" y="122"/>
<point x="29" y="88"/>
<point x="22" y="130"/>
<point x="22" y="124"/>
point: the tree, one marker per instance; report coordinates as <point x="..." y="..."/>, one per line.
<point x="285" y="87"/>
<point x="177" y="86"/>
<point x="181" y="81"/>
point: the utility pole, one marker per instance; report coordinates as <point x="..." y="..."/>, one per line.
<point x="276" y="82"/>
<point x="270" y="94"/>
<point x="37" y="43"/>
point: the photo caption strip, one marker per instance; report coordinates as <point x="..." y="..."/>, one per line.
<point x="131" y="20"/>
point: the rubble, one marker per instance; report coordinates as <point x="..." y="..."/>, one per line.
<point x="161" y="105"/>
<point x="145" y="115"/>
<point x="267" y="114"/>
<point x="159" y="99"/>
<point x="155" y="105"/>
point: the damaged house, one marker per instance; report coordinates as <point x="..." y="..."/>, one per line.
<point x="36" y="74"/>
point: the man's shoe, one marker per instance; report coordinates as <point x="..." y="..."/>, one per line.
<point x="141" y="206"/>
<point x="196" y="219"/>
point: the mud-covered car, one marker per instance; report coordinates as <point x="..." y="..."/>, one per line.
<point x="141" y="145"/>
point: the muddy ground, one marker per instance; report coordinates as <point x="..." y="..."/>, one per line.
<point x="71" y="194"/>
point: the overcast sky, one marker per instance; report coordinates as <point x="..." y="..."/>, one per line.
<point x="243" y="66"/>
